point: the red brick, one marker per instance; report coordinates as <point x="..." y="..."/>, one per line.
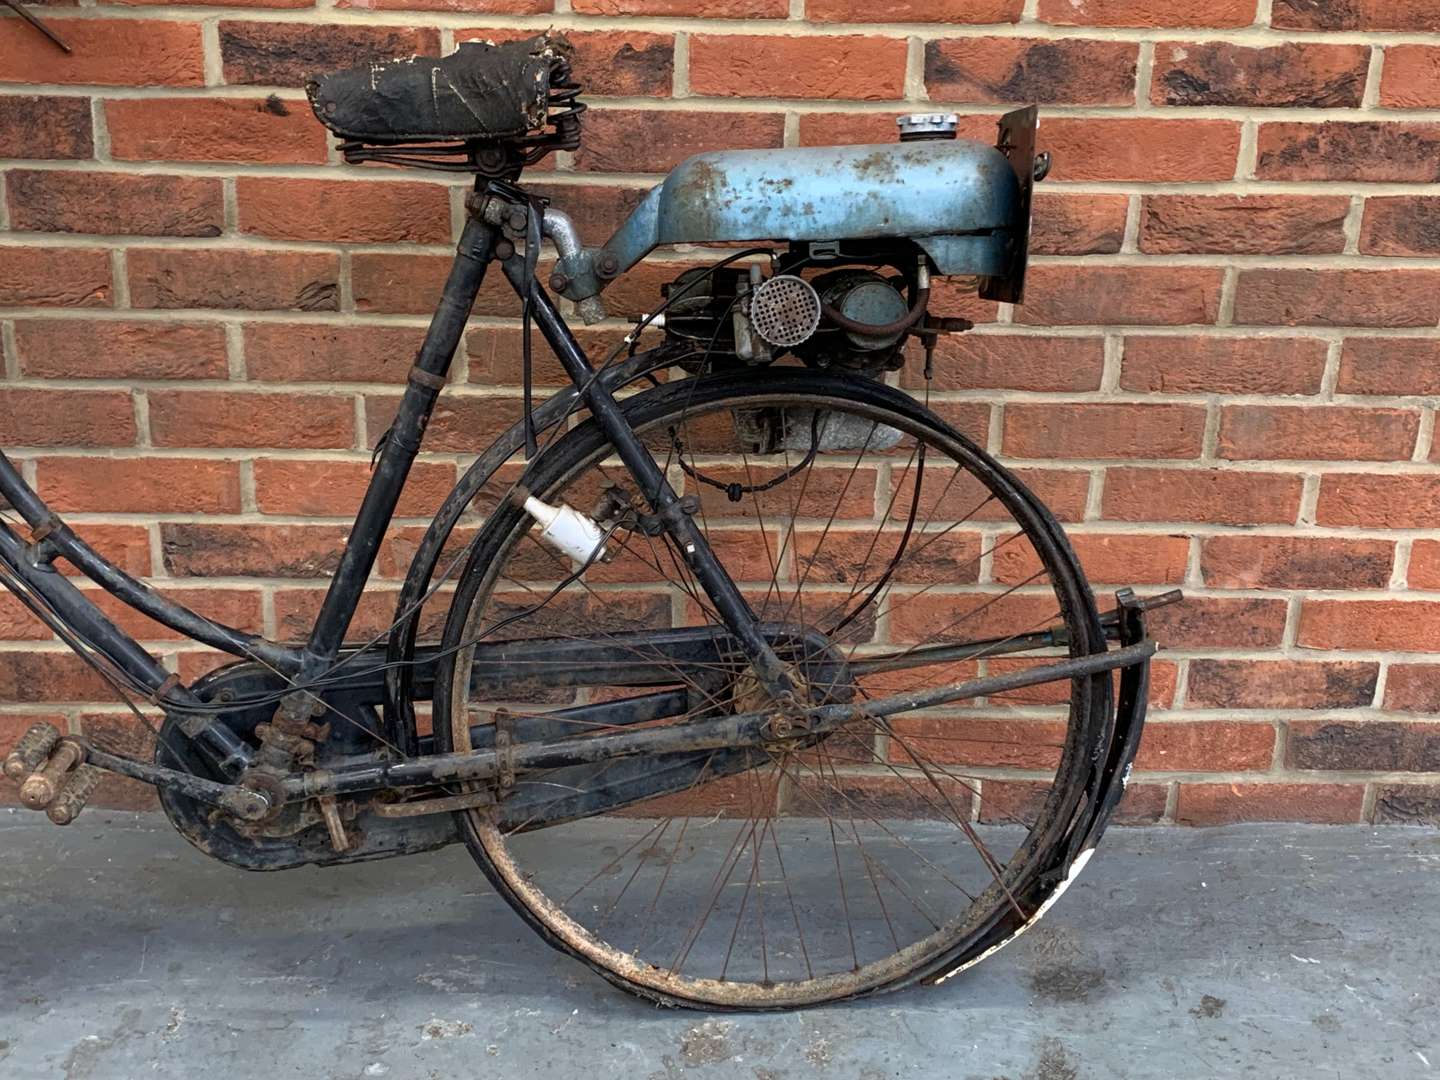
<point x="1379" y="501"/>
<point x="32" y="126"/>
<point x="233" y="418"/>
<point x="1071" y="71"/>
<point x="114" y="203"/>
<point x="1317" y="432"/>
<point x="1243" y="224"/>
<point x="1411" y="78"/>
<point x="122" y="733"/>
<point x="1390" y="366"/>
<point x="1342" y="150"/>
<point x="1108" y="559"/>
<point x="234" y="279"/>
<point x="1364" y="746"/>
<point x="1293" y="75"/>
<point x="486" y="7"/>
<point x="127" y="546"/>
<point x="67" y="417"/>
<point x="618" y="63"/>
<point x="265" y="551"/>
<point x="979" y="742"/>
<point x="1400" y="625"/>
<point x="650" y="140"/>
<point x="50" y="676"/>
<point x="1413" y="688"/>
<point x="144" y="485"/>
<point x="935" y="617"/>
<point x="19" y="623"/>
<point x="309" y="352"/>
<point x="1103" y="430"/>
<point x="245" y="130"/>
<point x="962" y="498"/>
<point x="1142" y="804"/>
<point x="1178" y="13"/>
<point x="1401" y="225"/>
<point x="1281" y="684"/>
<point x="1407" y="804"/>
<point x="1078" y="224"/>
<point x="1219" y="622"/>
<point x="1141" y="149"/>
<point x="494" y="355"/>
<point x="335" y="488"/>
<point x="1012" y="362"/>
<point x="1424" y="571"/>
<point x="926" y="11"/>
<point x="344" y="212"/>
<point x="229" y="607"/>
<point x="1338" y="297"/>
<point x="106" y="52"/>
<point x="1227" y="804"/>
<point x="850" y="67"/>
<point x="1219" y="496"/>
<point x="1355" y="15"/>
<point x="54" y="277"/>
<point x="464" y="423"/>
<point x="1121" y="295"/>
<point x="1295" y="562"/>
<point x="1223" y="365"/>
<point x="599" y="208"/>
<point x="1205" y="746"/>
<point x="401" y="283"/>
<point x="863" y="128"/>
<point x="286" y="54"/>
<point x="120" y="349"/>
<point x="711" y="9"/>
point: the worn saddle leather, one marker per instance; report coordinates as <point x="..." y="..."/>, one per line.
<point x="481" y="91"/>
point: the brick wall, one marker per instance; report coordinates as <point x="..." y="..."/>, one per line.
<point x="1226" y="371"/>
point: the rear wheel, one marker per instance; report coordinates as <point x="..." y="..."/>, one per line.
<point x="804" y="871"/>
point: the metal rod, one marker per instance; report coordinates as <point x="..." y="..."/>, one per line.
<point x="708" y="571"/>
<point x="726" y="732"/>
<point x="402" y="443"/>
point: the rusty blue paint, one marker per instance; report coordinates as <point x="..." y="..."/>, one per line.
<point x="959" y="200"/>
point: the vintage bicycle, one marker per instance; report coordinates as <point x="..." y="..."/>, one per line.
<point x="760" y="685"/>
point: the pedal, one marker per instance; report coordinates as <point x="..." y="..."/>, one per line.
<point x="74" y="796"/>
<point x="31" y="751"/>
<point x="41" y="788"/>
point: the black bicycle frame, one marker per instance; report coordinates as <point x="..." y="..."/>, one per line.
<point x="31" y="560"/>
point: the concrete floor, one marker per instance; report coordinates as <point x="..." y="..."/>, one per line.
<point x="1266" y="951"/>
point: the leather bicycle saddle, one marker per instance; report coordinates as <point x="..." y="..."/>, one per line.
<point x="482" y="91"/>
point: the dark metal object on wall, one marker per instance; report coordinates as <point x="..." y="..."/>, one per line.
<point x="38" y="23"/>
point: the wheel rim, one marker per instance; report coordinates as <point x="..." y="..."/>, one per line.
<point x="671" y="896"/>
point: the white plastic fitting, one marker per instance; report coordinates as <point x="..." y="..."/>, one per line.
<point x="567" y="530"/>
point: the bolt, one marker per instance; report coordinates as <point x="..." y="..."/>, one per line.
<point x="504" y="249"/>
<point x="559" y="281"/>
<point x="607" y="265"/>
<point x="517" y="219"/>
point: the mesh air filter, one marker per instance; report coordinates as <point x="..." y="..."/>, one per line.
<point x="785" y="310"/>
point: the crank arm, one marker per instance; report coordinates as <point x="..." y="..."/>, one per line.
<point x="243" y="802"/>
<point x="752" y="729"/>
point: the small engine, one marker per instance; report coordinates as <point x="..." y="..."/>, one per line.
<point x="738" y="313"/>
<point x="864" y="297"/>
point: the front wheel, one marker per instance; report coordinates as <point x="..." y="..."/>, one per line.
<point x="807" y="870"/>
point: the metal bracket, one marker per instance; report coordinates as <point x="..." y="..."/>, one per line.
<point x="504" y="752"/>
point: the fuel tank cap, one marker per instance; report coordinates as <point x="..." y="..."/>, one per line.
<point x="916" y="126"/>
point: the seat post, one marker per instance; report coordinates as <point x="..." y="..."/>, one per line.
<point x="400" y="445"/>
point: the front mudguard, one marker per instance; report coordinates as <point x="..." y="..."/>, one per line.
<point x="1103" y="795"/>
